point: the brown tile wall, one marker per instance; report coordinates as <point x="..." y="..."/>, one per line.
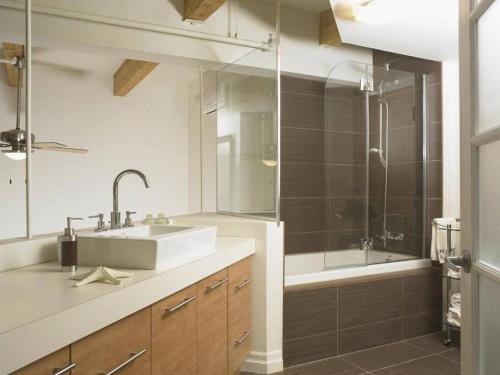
<point x="304" y="202"/>
<point x="328" y="321"/>
<point x="323" y="164"/>
<point x="405" y="193"/>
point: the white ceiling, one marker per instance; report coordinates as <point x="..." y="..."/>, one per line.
<point x="429" y="30"/>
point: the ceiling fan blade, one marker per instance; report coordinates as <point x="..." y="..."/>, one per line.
<point x="43" y="145"/>
<point x="4" y="145"/>
<point x="64" y="149"/>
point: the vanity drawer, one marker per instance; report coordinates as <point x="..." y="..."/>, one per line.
<point x="126" y="343"/>
<point x="174" y="334"/>
<point x="239" y="313"/>
<point x="49" y="365"/>
<point x="211" y="324"/>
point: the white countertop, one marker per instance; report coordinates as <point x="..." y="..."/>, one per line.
<point x="41" y="311"/>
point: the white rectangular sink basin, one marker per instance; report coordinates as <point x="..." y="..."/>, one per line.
<point x="146" y="246"/>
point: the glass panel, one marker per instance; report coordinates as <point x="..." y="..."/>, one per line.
<point x="12" y="172"/>
<point x="489" y="329"/>
<point x="488" y="60"/>
<point x="345" y="141"/>
<point x="489" y="204"/>
<point x="247" y="128"/>
<point x="375" y="174"/>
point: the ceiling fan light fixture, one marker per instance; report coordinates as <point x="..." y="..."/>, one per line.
<point x="17" y="155"/>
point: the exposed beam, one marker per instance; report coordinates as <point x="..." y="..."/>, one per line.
<point x="130" y="73"/>
<point x="328" y="30"/>
<point x="11" y="50"/>
<point x="200" y="10"/>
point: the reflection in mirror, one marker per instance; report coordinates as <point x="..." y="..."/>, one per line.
<point x="148" y="129"/>
<point x="12" y="171"/>
<point x="247" y="152"/>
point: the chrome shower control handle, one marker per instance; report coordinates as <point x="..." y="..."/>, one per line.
<point x="101" y="225"/>
<point x="128" y="219"/>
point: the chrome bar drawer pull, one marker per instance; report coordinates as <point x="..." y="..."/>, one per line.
<point x="132" y="358"/>
<point x="241" y="286"/>
<point x="215" y="286"/>
<point x="61" y="371"/>
<point x="180" y="305"/>
<point x="243" y="338"/>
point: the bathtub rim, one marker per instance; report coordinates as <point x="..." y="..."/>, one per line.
<point x="332" y="277"/>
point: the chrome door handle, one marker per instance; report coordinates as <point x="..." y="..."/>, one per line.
<point x="208" y="289"/>
<point x="132" y="358"/>
<point x="242" y="285"/>
<point x="463" y="262"/>
<point x="180" y="305"/>
<point x="61" y="371"/>
<point x="243" y="338"/>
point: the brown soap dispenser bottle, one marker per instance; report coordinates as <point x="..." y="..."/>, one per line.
<point x="67" y="247"/>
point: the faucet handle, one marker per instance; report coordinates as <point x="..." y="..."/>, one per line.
<point x="128" y="219"/>
<point x="101" y="225"/>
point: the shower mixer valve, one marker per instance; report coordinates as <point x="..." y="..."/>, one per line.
<point x="366" y="244"/>
<point x="393" y="236"/>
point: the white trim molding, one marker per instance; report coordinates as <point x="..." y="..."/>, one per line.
<point x="264" y="362"/>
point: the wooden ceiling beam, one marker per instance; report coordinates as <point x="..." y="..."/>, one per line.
<point x="11" y="50"/>
<point x="328" y="31"/>
<point x="130" y="73"/>
<point x="200" y="10"/>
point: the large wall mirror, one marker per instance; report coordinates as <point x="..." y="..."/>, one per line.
<point x="73" y="103"/>
<point x="12" y="103"/>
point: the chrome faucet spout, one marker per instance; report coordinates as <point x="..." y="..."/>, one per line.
<point x="115" y="215"/>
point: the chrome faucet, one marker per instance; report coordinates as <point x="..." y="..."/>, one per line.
<point x="115" y="215"/>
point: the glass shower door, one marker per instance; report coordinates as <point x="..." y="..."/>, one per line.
<point x="375" y="165"/>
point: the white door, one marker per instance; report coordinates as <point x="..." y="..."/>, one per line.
<point x="480" y="184"/>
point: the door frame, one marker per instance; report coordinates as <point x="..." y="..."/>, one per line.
<point x="469" y="14"/>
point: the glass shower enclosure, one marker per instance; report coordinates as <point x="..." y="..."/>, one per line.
<point x="376" y="122"/>
<point x="248" y="135"/>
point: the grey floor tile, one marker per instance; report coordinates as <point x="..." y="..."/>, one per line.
<point x="432" y="343"/>
<point x="433" y="365"/>
<point x="452" y="355"/>
<point x="333" y="366"/>
<point x="384" y="356"/>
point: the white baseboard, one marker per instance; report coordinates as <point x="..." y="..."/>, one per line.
<point x="264" y="362"/>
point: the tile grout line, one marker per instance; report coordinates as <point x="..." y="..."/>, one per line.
<point x="448" y="359"/>
<point x="409" y="361"/>
<point x="352" y="364"/>
<point x="405" y="341"/>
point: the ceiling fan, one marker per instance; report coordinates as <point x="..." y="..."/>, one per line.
<point x="14" y="140"/>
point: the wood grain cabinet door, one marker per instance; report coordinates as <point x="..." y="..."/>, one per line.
<point x="125" y="344"/>
<point x="53" y="363"/>
<point x="174" y="334"/>
<point x="211" y="324"/>
<point x="239" y="313"/>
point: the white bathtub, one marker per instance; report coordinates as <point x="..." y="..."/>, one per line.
<point x="303" y="269"/>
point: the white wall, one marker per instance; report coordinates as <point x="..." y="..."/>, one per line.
<point x="146" y="130"/>
<point x="451" y="139"/>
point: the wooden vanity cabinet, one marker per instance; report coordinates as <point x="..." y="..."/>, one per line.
<point x="205" y="329"/>
<point x="173" y="323"/>
<point x="211" y="324"/>
<point x="239" y="314"/>
<point x="125" y="343"/>
<point x="48" y="365"/>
